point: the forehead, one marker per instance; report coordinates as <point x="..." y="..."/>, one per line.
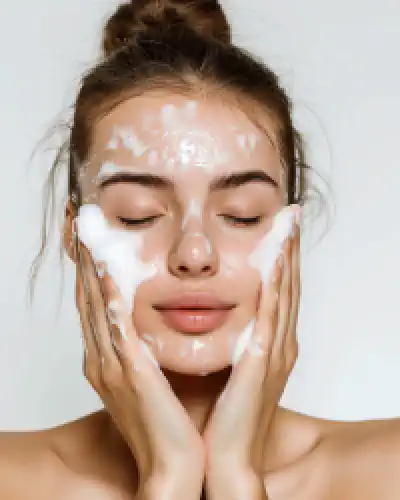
<point x="154" y="129"/>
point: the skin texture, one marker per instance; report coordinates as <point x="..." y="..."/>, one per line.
<point x="297" y="456"/>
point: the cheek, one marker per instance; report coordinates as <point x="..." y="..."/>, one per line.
<point x="155" y="244"/>
<point x="238" y="274"/>
<point x="234" y="249"/>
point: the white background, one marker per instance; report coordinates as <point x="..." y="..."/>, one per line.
<point x="340" y="62"/>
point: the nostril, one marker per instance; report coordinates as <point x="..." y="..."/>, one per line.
<point x="183" y="269"/>
<point x="186" y="269"/>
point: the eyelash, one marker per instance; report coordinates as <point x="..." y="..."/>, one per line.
<point x="246" y="221"/>
<point x="136" y="222"/>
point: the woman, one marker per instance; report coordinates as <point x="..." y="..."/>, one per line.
<point x="186" y="178"/>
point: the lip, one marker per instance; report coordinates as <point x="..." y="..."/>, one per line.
<point x="194" y="312"/>
<point x="194" y="320"/>
<point x="194" y="300"/>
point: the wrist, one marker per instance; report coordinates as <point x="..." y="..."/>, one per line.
<point x="184" y="483"/>
<point x="235" y="484"/>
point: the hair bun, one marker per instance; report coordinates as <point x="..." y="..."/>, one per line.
<point x="204" y="16"/>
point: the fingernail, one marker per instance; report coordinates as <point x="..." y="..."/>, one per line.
<point x="100" y="269"/>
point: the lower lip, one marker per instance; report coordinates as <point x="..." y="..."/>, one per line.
<point x="194" y="320"/>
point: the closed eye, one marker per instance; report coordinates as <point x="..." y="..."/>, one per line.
<point x="246" y="221"/>
<point x="137" y="222"/>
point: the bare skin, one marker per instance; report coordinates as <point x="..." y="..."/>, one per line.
<point x="306" y="455"/>
<point x="303" y="457"/>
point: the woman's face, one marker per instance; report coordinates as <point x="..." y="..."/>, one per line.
<point x="199" y="154"/>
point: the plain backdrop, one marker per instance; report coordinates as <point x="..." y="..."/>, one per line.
<point x="340" y="62"/>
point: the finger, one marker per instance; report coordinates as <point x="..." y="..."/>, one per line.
<point x="133" y="352"/>
<point x="284" y="305"/>
<point x="91" y="359"/>
<point x="291" y="341"/>
<point x="265" y="327"/>
<point x="268" y="400"/>
<point x="246" y="381"/>
<point x="97" y="313"/>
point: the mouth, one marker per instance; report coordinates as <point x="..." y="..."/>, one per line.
<point x="197" y="320"/>
<point x="195" y="313"/>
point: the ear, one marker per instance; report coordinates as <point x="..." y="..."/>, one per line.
<point x="68" y="231"/>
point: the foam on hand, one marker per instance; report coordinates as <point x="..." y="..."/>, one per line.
<point x="270" y="247"/>
<point x="263" y="259"/>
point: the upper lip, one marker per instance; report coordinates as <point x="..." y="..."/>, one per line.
<point x="194" y="300"/>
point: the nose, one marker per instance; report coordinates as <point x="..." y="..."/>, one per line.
<point x="193" y="257"/>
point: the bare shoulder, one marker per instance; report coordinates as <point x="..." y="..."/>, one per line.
<point x="364" y="460"/>
<point x="336" y="459"/>
<point x="293" y="435"/>
<point x="28" y="466"/>
<point x="63" y="462"/>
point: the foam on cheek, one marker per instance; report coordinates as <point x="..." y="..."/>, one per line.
<point x="117" y="248"/>
<point x="263" y="259"/>
<point x="243" y="341"/>
<point x="264" y="256"/>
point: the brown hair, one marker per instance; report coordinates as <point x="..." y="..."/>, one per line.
<point x="185" y="46"/>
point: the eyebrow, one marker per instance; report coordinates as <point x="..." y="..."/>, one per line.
<point x="228" y="181"/>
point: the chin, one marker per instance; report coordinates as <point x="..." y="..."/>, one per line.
<point x="193" y="366"/>
<point x="190" y="354"/>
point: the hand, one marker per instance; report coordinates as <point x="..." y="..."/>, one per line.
<point x="138" y="397"/>
<point x="235" y="435"/>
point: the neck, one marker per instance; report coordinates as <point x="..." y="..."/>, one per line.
<point x="198" y="393"/>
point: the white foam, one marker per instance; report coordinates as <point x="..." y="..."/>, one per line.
<point x="168" y="114"/>
<point x="264" y="256"/>
<point x="117" y="248"/>
<point x="153" y="158"/>
<point x="197" y="345"/>
<point x="191" y="109"/>
<point x="194" y="210"/>
<point x="263" y="259"/>
<point x="132" y="142"/>
<point x="243" y="341"/>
